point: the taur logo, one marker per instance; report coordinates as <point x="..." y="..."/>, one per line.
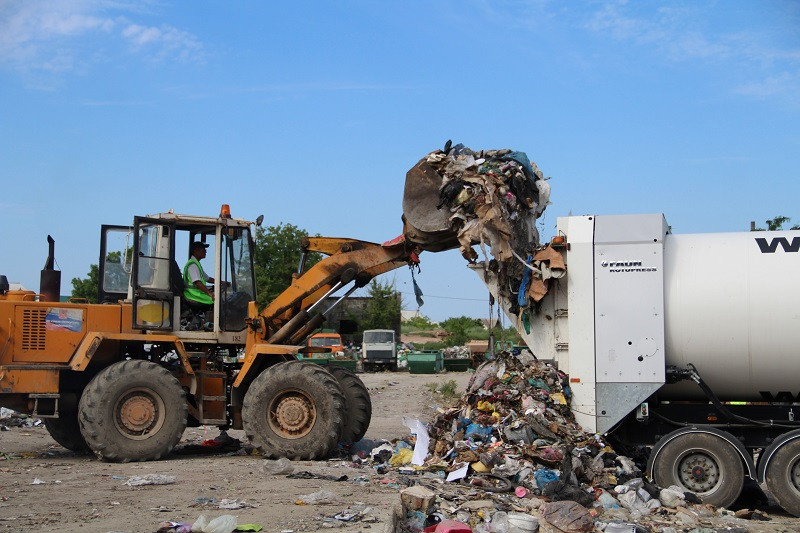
<point x="626" y="266"/>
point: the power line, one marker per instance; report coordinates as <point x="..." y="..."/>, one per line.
<point x="426" y="295"/>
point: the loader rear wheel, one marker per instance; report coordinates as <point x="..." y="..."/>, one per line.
<point x="132" y="411"/>
<point x="703" y="463"/>
<point x="294" y="410"/>
<point x="66" y="430"/>
<point x="358" y="406"/>
<point x="783" y="476"/>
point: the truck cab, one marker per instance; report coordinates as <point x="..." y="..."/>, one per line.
<point x="379" y="350"/>
<point x="329" y="341"/>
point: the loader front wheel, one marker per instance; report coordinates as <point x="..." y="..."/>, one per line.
<point x="358" y="406"/>
<point x="66" y="430"/>
<point x="294" y="410"/>
<point x="132" y="411"/>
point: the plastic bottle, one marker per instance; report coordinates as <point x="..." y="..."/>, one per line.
<point x="499" y="523"/>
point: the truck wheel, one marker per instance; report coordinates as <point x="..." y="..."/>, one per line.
<point x="783" y="476"/>
<point x="703" y="463"/>
<point x="132" y="411"/>
<point x="294" y="410"/>
<point x="66" y="430"/>
<point x="358" y="406"/>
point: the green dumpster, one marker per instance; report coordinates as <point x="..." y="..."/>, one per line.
<point x="457" y="365"/>
<point x="425" y="362"/>
<point x="319" y="360"/>
<point x="349" y="364"/>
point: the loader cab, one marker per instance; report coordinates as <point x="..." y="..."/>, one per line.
<point x="153" y="253"/>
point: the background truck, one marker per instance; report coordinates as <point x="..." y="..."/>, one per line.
<point x="379" y="350"/>
<point x="124" y="378"/>
<point x="688" y="343"/>
<point x="328" y="344"/>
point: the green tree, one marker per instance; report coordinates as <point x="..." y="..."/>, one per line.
<point x="418" y="323"/>
<point x="87" y="287"/>
<point x="458" y="328"/>
<point x="277" y="256"/>
<point x="383" y="308"/>
<point x="776" y="224"/>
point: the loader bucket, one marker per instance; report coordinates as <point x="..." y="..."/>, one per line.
<point x="423" y="223"/>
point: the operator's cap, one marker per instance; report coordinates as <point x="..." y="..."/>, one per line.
<point x="197" y="244"/>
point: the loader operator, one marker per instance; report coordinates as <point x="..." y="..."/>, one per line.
<point x="195" y="281"/>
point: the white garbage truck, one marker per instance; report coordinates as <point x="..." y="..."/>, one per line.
<point x="688" y="343"/>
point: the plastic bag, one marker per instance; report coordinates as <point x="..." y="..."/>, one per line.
<point x="150" y="479"/>
<point x="321" y="497"/>
<point x="278" y="467"/>
<point x="402" y="457"/>
<point x="222" y="524"/>
<point x="544" y="477"/>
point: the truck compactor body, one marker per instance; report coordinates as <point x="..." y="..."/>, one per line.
<point x="689" y="343"/>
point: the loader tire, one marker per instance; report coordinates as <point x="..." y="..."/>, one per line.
<point x="132" y="411"/>
<point x="294" y="410"/>
<point x="66" y="430"/>
<point x="358" y="406"/>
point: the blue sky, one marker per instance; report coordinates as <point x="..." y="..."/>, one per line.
<point x="312" y="112"/>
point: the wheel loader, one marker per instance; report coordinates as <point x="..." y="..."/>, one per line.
<point x="124" y="377"/>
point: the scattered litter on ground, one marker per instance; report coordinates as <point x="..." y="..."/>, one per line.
<point x="321" y="497"/>
<point x="233" y="504"/>
<point x="222" y="524"/>
<point x="150" y="479"/>
<point x="12" y="419"/>
<point x="277" y="467"/>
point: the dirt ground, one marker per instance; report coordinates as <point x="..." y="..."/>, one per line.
<point x="44" y="487"/>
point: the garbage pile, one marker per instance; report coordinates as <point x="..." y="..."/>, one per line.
<point x="10" y="419"/>
<point x="456" y="352"/>
<point x="457" y="197"/>
<point x="510" y="452"/>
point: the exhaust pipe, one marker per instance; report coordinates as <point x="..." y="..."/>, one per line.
<point x="50" y="280"/>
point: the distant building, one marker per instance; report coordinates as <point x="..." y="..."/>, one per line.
<point x="487" y="323"/>
<point x="347" y="317"/>
<point x="408" y="314"/>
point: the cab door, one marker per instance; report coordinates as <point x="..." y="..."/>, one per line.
<point x="154" y="256"/>
<point x="116" y="258"/>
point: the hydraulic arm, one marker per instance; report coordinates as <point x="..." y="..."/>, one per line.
<point x="288" y="318"/>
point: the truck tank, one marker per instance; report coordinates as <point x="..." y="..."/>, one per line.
<point x="732" y="308"/>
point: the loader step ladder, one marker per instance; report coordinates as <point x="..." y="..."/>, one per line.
<point x="210" y="394"/>
<point x="50" y="405"/>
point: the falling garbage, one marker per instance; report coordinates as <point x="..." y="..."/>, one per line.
<point x="458" y="198"/>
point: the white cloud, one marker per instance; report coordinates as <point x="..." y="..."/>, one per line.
<point x="60" y="36"/>
<point x="164" y="41"/>
<point x="686" y="32"/>
<point x="779" y="84"/>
